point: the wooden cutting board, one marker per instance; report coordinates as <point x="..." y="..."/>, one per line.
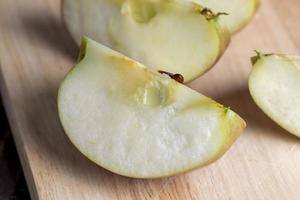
<point x="35" y="54"/>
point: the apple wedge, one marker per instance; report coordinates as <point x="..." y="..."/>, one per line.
<point x="274" y="84"/>
<point x="137" y="122"/>
<point x="240" y="12"/>
<point x="173" y="36"/>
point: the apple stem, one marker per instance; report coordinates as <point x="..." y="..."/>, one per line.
<point x="221" y="13"/>
<point x="258" y="56"/>
<point x="177" y="77"/>
<point x="210" y="14"/>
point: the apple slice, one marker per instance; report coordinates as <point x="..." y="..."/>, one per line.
<point x="137" y="122"/>
<point x="173" y="36"/>
<point x="274" y="84"/>
<point x="240" y="12"/>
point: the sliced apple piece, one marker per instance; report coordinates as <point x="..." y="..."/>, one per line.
<point x="137" y="122"/>
<point x="274" y="84"/>
<point x="240" y="12"/>
<point x="173" y="36"/>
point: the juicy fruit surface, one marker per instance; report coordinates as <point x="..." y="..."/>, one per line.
<point x="171" y="35"/>
<point x="274" y="84"/>
<point x="137" y="122"/>
<point x="239" y="12"/>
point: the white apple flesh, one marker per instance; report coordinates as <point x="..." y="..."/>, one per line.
<point x="137" y="122"/>
<point x="173" y="36"/>
<point x="274" y="84"/>
<point x="240" y="12"/>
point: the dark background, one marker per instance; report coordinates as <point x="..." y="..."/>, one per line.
<point x="12" y="181"/>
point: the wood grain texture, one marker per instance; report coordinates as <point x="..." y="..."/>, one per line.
<point x="35" y="54"/>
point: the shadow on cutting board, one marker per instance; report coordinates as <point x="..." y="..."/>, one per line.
<point x="241" y="102"/>
<point x="49" y="30"/>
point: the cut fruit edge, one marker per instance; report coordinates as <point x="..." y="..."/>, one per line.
<point x="214" y="20"/>
<point x="257" y="99"/>
<point x="233" y="124"/>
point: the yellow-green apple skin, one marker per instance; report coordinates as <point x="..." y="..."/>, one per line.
<point x="173" y="36"/>
<point x="136" y="122"/>
<point x="240" y="12"/>
<point x="274" y="84"/>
